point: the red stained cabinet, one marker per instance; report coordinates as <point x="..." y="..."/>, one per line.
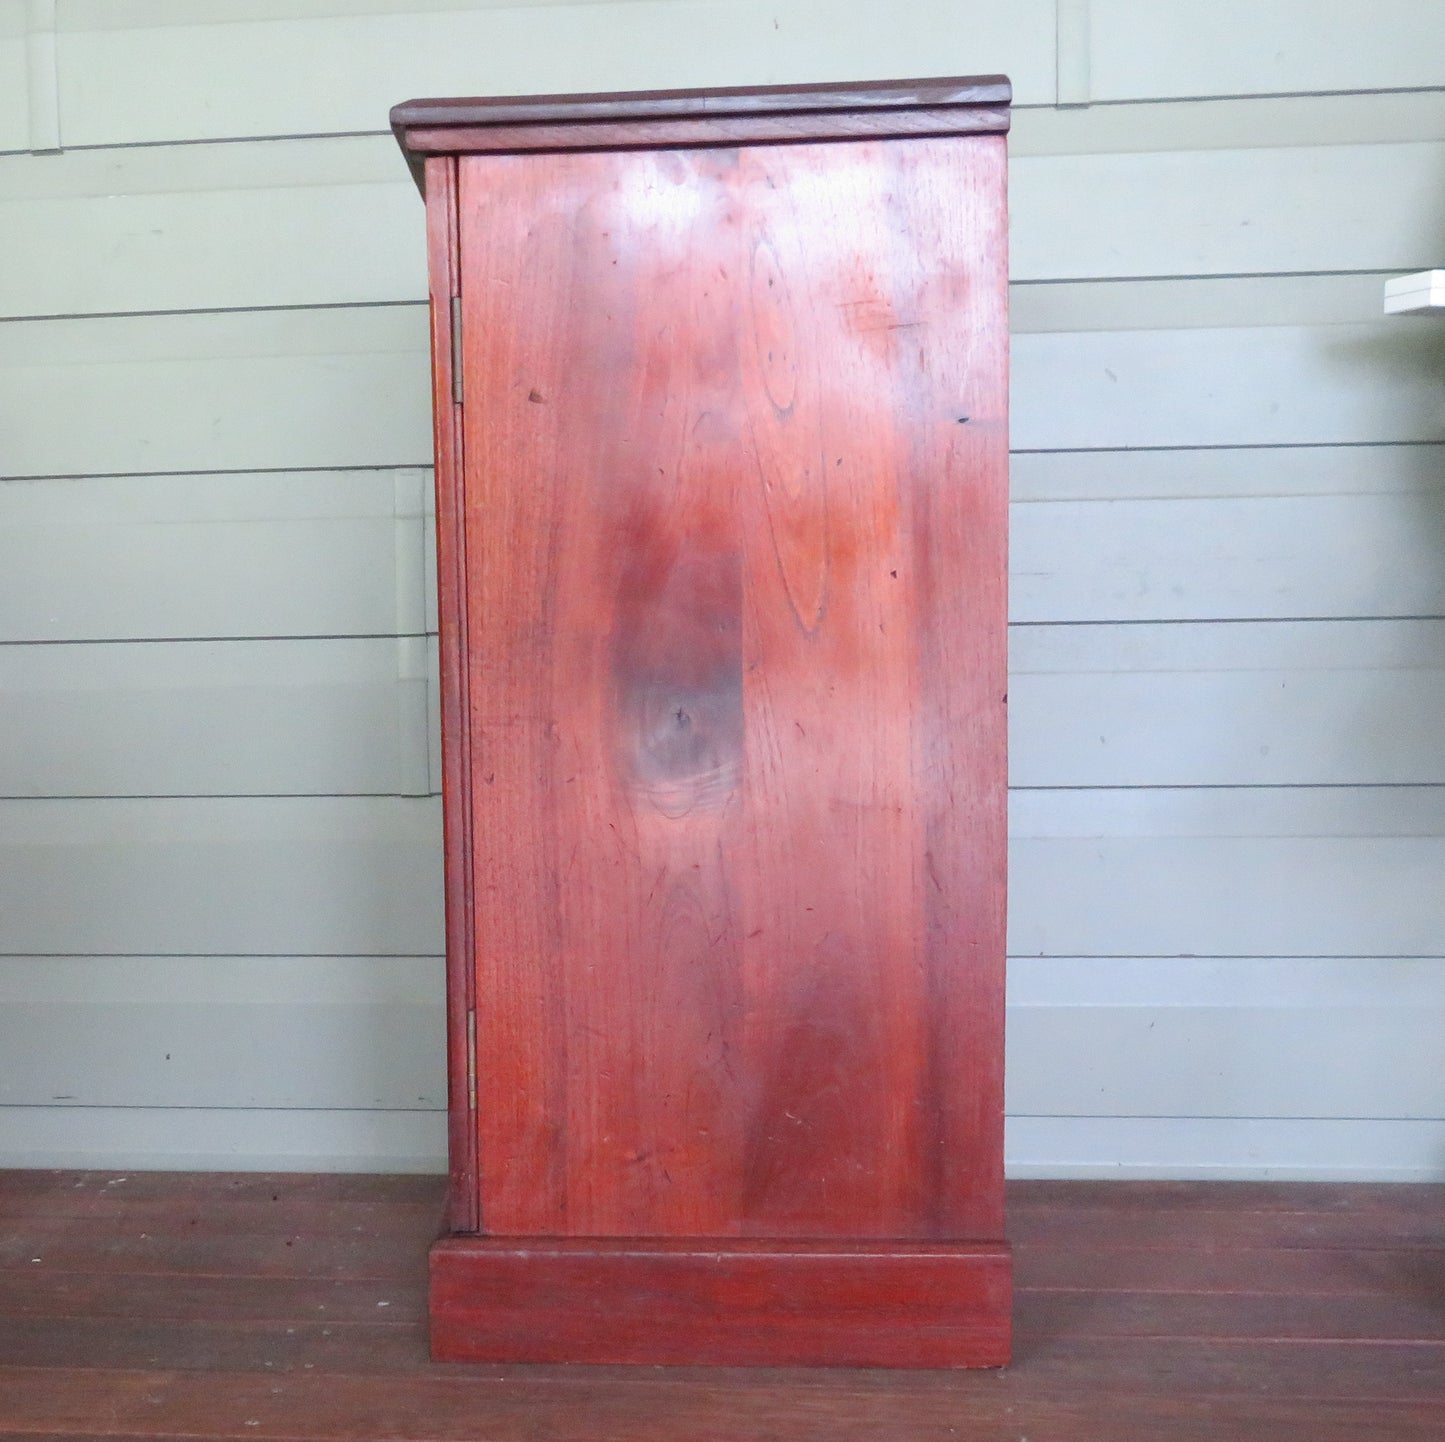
<point x="721" y="439"/>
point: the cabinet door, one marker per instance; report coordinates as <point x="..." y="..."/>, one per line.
<point x="735" y="480"/>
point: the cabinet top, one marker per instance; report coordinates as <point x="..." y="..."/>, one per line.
<point x="736" y="115"/>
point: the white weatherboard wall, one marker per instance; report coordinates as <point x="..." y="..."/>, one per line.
<point x="220" y="895"/>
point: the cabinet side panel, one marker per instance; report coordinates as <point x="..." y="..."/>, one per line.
<point x="441" y="212"/>
<point x="738" y="960"/>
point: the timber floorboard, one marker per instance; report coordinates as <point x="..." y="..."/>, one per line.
<point x="215" y="1306"/>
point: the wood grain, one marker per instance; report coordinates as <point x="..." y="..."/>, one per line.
<point x="729" y="115"/>
<point x="704" y="131"/>
<point x="1301" y="1340"/>
<point x="741" y="1304"/>
<point x="735" y="509"/>
<point x="453" y="632"/>
<point x="843" y="97"/>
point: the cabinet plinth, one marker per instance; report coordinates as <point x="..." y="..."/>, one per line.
<point x="721" y="426"/>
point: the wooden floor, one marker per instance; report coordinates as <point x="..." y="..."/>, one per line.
<point x="245" y="1306"/>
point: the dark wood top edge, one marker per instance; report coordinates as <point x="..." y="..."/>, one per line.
<point x="969" y="91"/>
<point x="697" y="132"/>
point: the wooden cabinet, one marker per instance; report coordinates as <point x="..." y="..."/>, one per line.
<point x="721" y="438"/>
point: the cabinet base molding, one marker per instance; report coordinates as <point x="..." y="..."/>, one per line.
<point x="730" y="1302"/>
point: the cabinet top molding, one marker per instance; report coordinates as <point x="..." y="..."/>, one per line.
<point x="734" y="115"/>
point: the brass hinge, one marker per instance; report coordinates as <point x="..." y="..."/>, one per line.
<point x="472" y="1060"/>
<point x="456" y="350"/>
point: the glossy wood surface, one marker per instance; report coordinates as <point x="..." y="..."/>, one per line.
<point x="742" y="1304"/>
<point x="735" y="484"/>
<point x="844" y="97"/>
<point x="443" y="263"/>
<point x="294" y="1307"/>
<point x="726" y="130"/>
<point x="729" y="115"/>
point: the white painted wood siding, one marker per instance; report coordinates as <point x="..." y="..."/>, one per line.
<point x="220" y="897"/>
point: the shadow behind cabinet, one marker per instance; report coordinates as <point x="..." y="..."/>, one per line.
<point x="721" y="442"/>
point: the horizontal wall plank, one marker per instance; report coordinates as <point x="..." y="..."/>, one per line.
<point x="1272" y="704"/>
<point x="137" y="253"/>
<point x="1237" y="648"/>
<point x="135" y="230"/>
<point x="1145" y="535"/>
<point x="285" y="876"/>
<point x="216" y="718"/>
<point x="1285" y="385"/>
<point x="351" y="387"/>
<point x="191" y="171"/>
<point x="1105" y="873"/>
<point x="107" y="249"/>
<point x="1229" y="123"/>
<point x="1088" y="1037"/>
<point x="328" y="553"/>
<point x="1226" y="1148"/>
<point x="1218" y="212"/>
<point x="1141" y="49"/>
<point x="318" y="1033"/>
<point x="1225" y="557"/>
<point x="1416" y="471"/>
<point x="1307" y="1037"/>
<point x="1290" y="703"/>
<point x="1203" y="303"/>
<point x="234" y="981"/>
<point x="1227" y="1048"/>
<point x="230" y="1139"/>
<point x="129" y="75"/>
<point x="1228" y="1061"/>
<point x="1277" y="983"/>
<point x="1355" y="812"/>
<point x="270" y="390"/>
<point x="1232" y="1061"/>
<point x="1235" y="872"/>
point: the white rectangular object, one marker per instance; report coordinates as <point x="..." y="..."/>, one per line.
<point x="1412" y="294"/>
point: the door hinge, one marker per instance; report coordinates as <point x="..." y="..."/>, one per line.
<point x="456" y="350"/>
<point x="472" y="1060"/>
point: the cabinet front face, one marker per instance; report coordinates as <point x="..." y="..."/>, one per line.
<point x="734" y="518"/>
